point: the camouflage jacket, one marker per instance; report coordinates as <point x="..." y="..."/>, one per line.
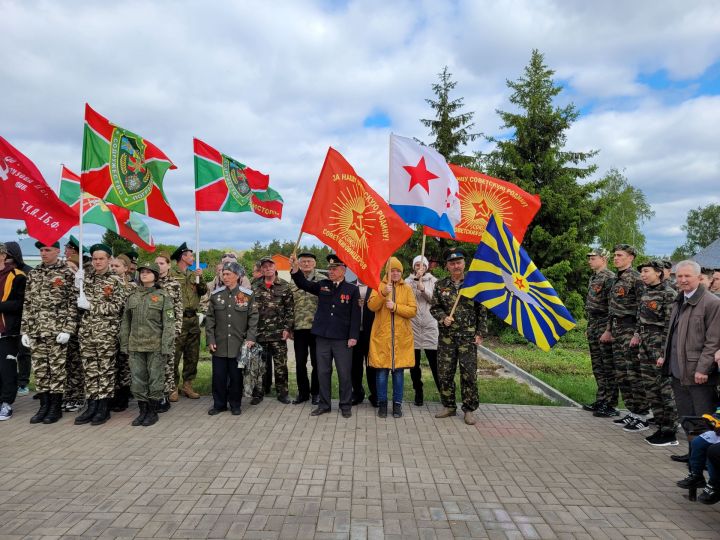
<point x="596" y="303"/>
<point x="172" y="287"/>
<point x="106" y="294"/>
<point x="625" y="295"/>
<point x="305" y="304"/>
<point x="470" y="316"/>
<point x="148" y="322"/>
<point x="276" y="308"/>
<point x="50" y="305"/>
<point x="655" y="306"/>
<point x="190" y="292"/>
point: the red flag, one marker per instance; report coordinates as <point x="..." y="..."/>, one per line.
<point x="347" y="215"/>
<point x="25" y="195"/>
<point x="480" y="196"/>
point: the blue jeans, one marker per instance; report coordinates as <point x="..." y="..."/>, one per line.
<point x="698" y="457"/>
<point x="398" y="380"/>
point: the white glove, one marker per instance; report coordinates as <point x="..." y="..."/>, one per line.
<point x="79" y="277"/>
<point x="83" y="302"/>
<point x="201" y="318"/>
<point x="63" y="338"/>
<point x="25" y="340"/>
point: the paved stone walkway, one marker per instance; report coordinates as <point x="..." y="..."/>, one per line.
<point x="275" y="472"/>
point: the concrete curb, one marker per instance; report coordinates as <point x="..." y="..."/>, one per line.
<point x="530" y="379"/>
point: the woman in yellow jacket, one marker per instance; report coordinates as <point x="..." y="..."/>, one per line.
<point x="391" y="338"/>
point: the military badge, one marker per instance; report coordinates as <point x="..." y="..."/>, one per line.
<point x="621" y="292"/>
<point x="154" y="298"/>
<point x="236" y="180"/>
<point x="130" y="176"/>
<point x="107" y="291"/>
<point x="652" y="305"/>
<point x="57" y="282"/>
<point x="241" y="299"/>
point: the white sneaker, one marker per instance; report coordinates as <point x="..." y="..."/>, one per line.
<point x="5" y="412"/>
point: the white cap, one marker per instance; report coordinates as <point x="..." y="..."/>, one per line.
<point x="423" y="259"/>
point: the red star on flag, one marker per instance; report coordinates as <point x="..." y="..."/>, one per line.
<point x="519" y="283"/>
<point x="419" y="175"/>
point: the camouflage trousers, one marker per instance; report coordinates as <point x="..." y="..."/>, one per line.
<point x="454" y="350"/>
<point x="122" y="371"/>
<point x="277" y="351"/>
<point x="148" y="375"/>
<point x="48" y="362"/>
<point x="187" y="348"/>
<point x="169" y="387"/>
<point x="75" y="376"/>
<point x="601" y="358"/>
<point x="657" y="386"/>
<point x="627" y="369"/>
<point x="98" y="359"/>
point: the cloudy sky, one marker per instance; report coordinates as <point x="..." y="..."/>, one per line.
<point x="273" y="84"/>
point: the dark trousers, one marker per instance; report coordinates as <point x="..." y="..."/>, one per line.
<point x="303" y="343"/>
<point x="227" y="383"/>
<point x="416" y="372"/>
<point x="268" y="375"/>
<point x="694" y="400"/>
<point x="24" y="366"/>
<point x="713" y="460"/>
<point x="371" y="374"/>
<point x="8" y="368"/>
<point x="359" y="359"/>
<point x="327" y="350"/>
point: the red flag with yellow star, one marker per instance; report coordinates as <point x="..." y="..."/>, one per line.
<point x="346" y="214"/>
<point x="480" y="196"/>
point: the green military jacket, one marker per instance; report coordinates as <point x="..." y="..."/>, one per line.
<point x="655" y="306"/>
<point x="148" y="322"/>
<point x="599" y="286"/>
<point x="190" y="292"/>
<point x="231" y="318"/>
<point x="276" y="308"/>
<point x="624" y="296"/>
<point x="305" y="303"/>
<point x="470" y="317"/>
<point x="50" y="304"/>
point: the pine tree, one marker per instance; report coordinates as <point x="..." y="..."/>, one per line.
<point x="534" y="157"/>
<point x="118" y="244"/>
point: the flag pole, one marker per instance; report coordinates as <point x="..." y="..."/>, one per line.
<point x="297" y="244"/>
<point x="422" y="250"/>
<point x="452" y="311"/>
<point x="82" y="301"/>
<point x="197" y="244"/>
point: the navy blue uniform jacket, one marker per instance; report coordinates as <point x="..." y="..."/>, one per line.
<point x="338" y="312"/>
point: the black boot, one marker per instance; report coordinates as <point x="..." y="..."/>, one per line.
<point x="692" y="480"/>
<point x="419" y="397"/>
<point x="120" y="401"/>
<point x="152" y="416"/>
<point x="102" y="414"/>
<point x="143" y="406"/>
<point x="163" y="405"/>
<point x="55" y="412"/>
<point x="86" y="416"/>
<point x="382" y="409"/>
<point x="43" y="410"/>
<point x="397" y="410"/>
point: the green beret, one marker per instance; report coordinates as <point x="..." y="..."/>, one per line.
<point x="40" y="245"/>
<point x="101" y="247"/>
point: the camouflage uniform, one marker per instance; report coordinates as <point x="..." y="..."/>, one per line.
<point x="303" y="339"/>
<point x="172" y="287"/>
<point x="456" y="343"/>
<point x="601" y="355"/>
<point x="50" y="307"/>
<point x="187" y="343"/>
<point x="98" y="332"/>
<point x="276" y="309"/>
<point x="147" y="336"/>
<point x="75" y="376"/>
<point x="622" y="323"/>
<point x="654" y="318"/>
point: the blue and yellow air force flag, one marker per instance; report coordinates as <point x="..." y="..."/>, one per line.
<point x="504" y="279"/>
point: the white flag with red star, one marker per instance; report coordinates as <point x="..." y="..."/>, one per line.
<point x="423" y="189"/>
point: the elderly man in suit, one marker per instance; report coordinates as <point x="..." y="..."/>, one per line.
<point x="692" y="340"/>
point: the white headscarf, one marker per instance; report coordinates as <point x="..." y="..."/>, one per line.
<point x="423" y="259"/>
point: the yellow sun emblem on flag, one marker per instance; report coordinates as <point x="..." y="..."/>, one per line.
<point x="477" y="203"/>
<point x="349" y="220"/>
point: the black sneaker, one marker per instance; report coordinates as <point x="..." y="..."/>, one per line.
<point x="606" y="411"/>
<point x="692" y="480"/>
<point x="592" y="407"/>
<point x="709" y="495"/>
<point x="636" y="425"/>
<point x="662" y="438"/>
<point x="624" y="421"/>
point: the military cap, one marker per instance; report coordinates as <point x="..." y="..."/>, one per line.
<point x="599" y="252"/>
<point x="73" y="243"/>
<point x="653" y="263"/>
<point x="152" y="266"/>
<point x="178" y="253"/>
<point x="40" y="245"/>
<point x="668" y="264"/>
<point x="627" y="248"/>
<point x="266" y="260"/>
<point x="307" y="254"/>
<point x="453" y="254"/>
<point x="334" y="260"/>
<point x="101" y="247"/>
<point x="132" y="255"/>
<point x="235" y="268"/>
